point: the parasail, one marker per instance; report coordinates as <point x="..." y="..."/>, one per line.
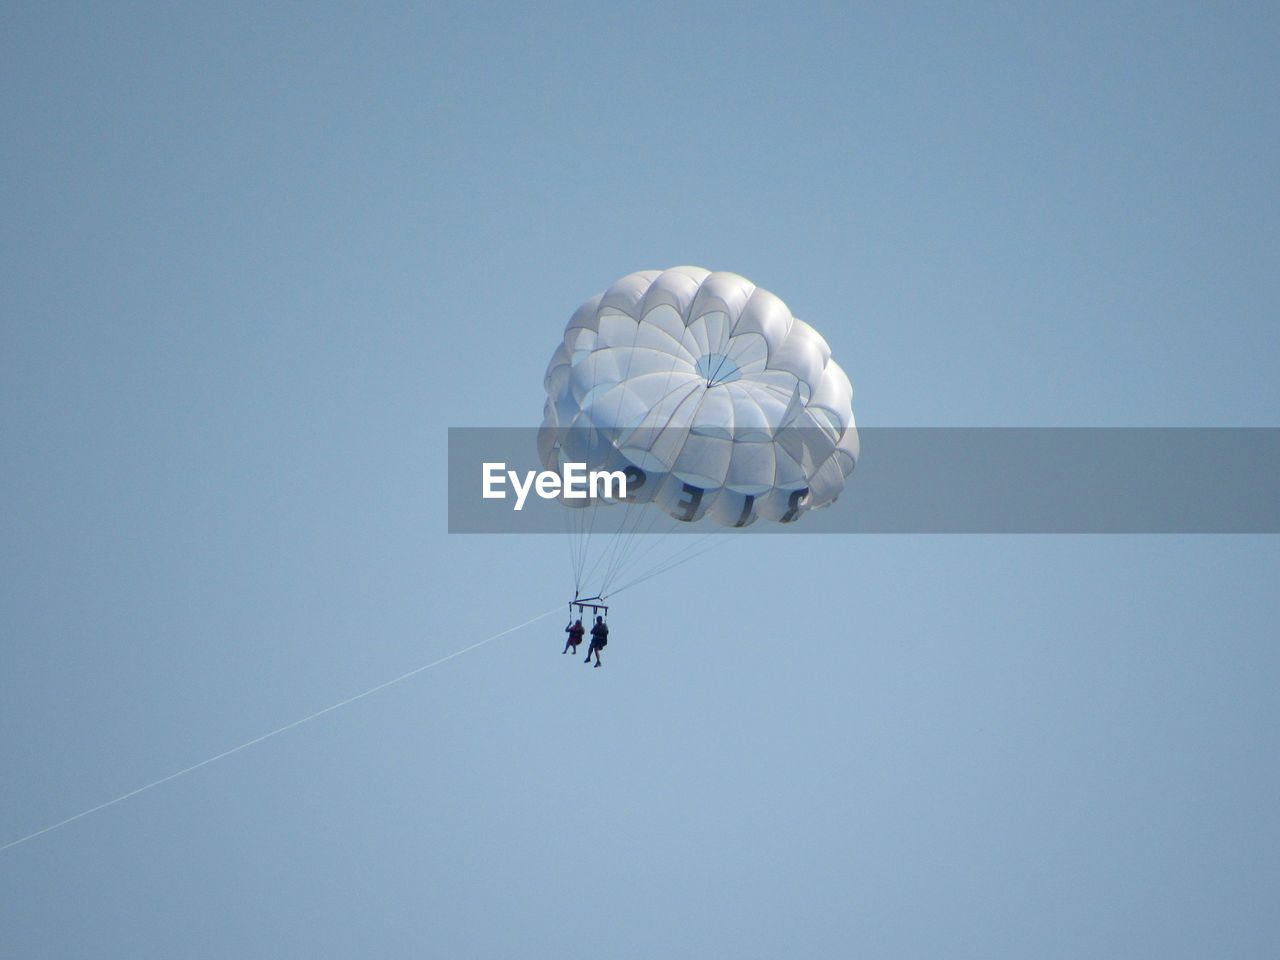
<point x="716" y="403"/>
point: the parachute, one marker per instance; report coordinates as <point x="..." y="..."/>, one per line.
<point x="716" y="404"/>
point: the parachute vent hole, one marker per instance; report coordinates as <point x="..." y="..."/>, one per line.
<point x="718" y="368"/>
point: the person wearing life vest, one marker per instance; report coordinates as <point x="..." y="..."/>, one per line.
<point x="575" y="631"/>
<point x="599" y="637"/>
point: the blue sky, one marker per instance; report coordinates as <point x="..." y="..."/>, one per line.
<point x="257" y="260"/>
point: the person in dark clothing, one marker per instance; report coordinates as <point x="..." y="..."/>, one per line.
<point x="575" y="631"/>
<point x="599" y="637"/>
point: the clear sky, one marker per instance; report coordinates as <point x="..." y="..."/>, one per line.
<point x="258" y="258"/>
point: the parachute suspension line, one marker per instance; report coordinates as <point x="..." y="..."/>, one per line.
<point x="683" y="552"/>
<point x="654" y="541"/>
<point x="643" y="549"/>
<point x="605" y="556"/>
<point x="570" y="523"/>
<point x="646" y="518"/>
<point x="583" y="542"/>
<point x="627" y="547"/>
<point x="588" y="529"/>
<point x="609" y="547"/>
<point x="279" y="730"/>
<point x="642" y="544"/>
<point x="579" y="520"/>
<point x="575" y="520"/>
<point x="621" y="541"/>
<point x="600" y="554"/>
<point x="675" y="558"/>
<point x="670" y="566"/>
<point x="589" y="523"/>
<point x="573" y="554"/>
<point x="572" y="563"/>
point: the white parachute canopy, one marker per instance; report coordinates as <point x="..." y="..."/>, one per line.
<point x="714" y="400"/>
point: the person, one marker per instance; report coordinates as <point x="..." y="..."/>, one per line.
<point x="599" y="637"/>
<point x="575" y="631"/>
